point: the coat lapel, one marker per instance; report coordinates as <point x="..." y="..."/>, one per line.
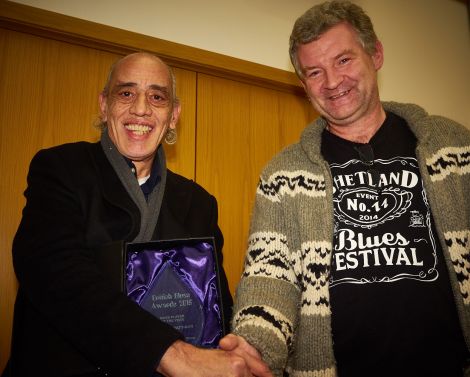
<point x="174" y="210"/>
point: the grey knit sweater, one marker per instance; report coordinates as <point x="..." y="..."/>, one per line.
<point x="282" y="302"/>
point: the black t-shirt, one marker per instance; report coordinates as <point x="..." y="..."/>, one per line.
<point x="393" y="309"/>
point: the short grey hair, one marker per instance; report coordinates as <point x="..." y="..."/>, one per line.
<point x="320" y="18"/>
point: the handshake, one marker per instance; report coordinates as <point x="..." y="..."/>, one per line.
<point x="234" y="358"/>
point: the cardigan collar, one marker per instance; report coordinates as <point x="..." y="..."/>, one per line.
<point x="414" y="115"/>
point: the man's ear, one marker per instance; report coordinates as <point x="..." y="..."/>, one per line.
<point x="103" y="107"/>
<point x="175" y="115"/>
<point x="378" y="55"/>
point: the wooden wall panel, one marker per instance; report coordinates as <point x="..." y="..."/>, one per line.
<point x="181" y="157"/>
<point x="239" y="128"/>
<point x="77" y="31"/>
<point x="49" y="96"/>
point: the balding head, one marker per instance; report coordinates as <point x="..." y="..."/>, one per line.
<point x="136" y="57"/>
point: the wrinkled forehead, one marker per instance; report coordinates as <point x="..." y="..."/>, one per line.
<point x="141" y="70"/>
<point x="333" y="42"/>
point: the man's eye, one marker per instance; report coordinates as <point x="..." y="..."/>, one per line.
<point x="158" y="99"/>
<point x="125" y="94"/>
<point x="313" y="73"/>
<point x="344" y="60"/>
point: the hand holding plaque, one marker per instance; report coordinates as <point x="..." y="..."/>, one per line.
<point x="177" y="281"/>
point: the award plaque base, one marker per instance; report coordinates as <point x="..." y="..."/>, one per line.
<point x="177" y="281"/>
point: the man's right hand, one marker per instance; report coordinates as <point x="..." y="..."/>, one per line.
<point x="183" y="360"/>
<point x="239" y="346"/>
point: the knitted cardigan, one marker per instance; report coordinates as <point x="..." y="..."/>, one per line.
<point x="282" y="301"/>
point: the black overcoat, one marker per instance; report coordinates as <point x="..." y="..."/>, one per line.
<point x="69" y="318"/>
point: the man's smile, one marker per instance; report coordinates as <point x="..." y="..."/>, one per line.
<point x="342" y="94"/>
<point x="138" y="129"/>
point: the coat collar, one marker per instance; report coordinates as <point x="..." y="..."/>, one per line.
<point x="113" y="190"/>
<point x="175" y="204"/>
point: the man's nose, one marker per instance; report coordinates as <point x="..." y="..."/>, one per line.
<point x="333" y="79"/>
<point x="141" y="106"/>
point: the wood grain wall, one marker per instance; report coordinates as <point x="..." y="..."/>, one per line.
<point x="235" y="116"/>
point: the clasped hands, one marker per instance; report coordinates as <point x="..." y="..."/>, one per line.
<point x="234" y="358"/>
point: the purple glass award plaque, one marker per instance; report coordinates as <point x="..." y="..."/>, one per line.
<point x="177" y="281"/>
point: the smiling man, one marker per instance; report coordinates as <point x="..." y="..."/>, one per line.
<point x="70" y="317"/>
<point x="138" y="106"/>
<point x="358" y="261"/>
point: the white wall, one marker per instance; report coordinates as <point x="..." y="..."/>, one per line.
<point x="427" y="42"/>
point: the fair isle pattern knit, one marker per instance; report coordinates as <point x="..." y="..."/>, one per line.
<point x="268" y="255"/>
<point x="447" y="161"/>
<point x="459" y="244"/>
<point x="291" y="183"/>
<point x="269" y="319"/>
<point x="282" y="304"/>
<point x="312" y="269"/>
